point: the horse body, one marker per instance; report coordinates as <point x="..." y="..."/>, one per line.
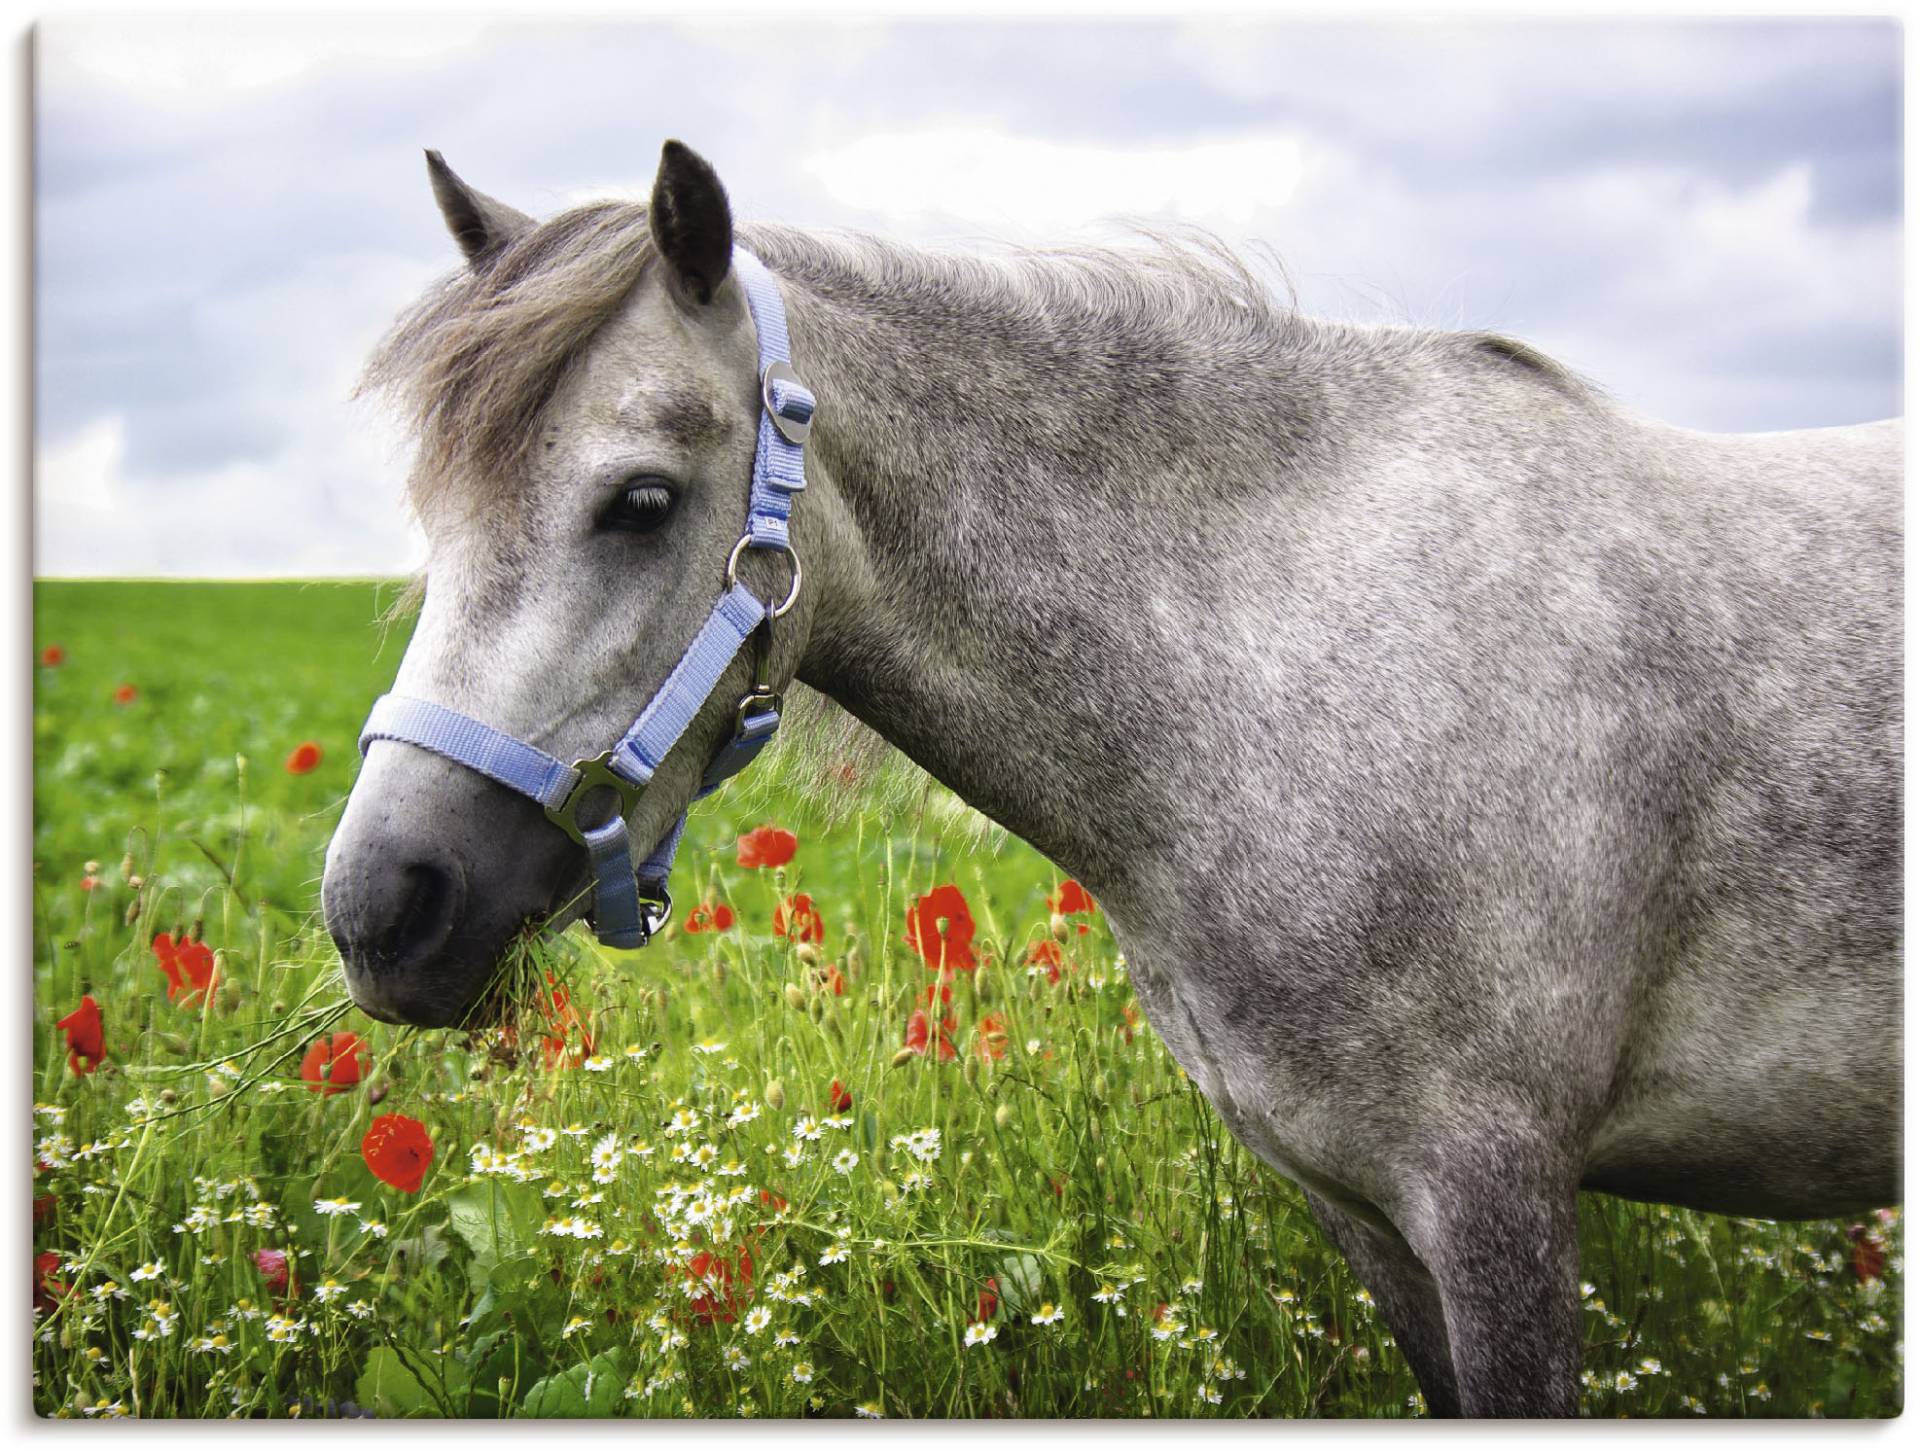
<point x="1494" y="794"/>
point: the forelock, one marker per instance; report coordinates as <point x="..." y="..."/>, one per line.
<point x="472" y="364"/>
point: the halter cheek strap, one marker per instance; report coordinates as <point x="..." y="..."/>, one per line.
<point x="619" y="888"/>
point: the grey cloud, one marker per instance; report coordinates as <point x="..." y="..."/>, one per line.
<point x="209" y="273"/>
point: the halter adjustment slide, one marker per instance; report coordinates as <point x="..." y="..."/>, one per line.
<point x="789" y="403"/>
<point x="594" y="774"/>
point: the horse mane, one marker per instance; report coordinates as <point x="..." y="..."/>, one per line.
<point x="473" y="364"/>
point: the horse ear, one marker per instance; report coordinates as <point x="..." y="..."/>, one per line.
<point x="481" y="225"/>
<point x="691" y="223"/>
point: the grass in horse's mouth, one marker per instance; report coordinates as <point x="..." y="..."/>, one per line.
<point x="516" y="984"/>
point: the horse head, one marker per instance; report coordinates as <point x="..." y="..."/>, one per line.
<point x="587" y="402"/>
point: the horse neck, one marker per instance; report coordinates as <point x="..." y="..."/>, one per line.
<point x="1031" y="483"/>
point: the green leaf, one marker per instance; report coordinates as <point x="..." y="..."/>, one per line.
<point x="595" y="1389"/>
<point x="496" y="1220"/>
<point x="1020" y="1277"/>
<point x="388" y="1388"/>
<point x="422" y="1251"/>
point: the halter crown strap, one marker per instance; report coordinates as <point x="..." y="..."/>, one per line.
<point x="786" y="419"/>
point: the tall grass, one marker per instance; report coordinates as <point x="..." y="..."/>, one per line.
<point x="653" y="1200"/>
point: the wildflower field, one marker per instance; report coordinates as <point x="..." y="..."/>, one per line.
<point x="875" y="1130"/>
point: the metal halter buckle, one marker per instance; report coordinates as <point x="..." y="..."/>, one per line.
<point x="652" y="922"/>
<point x="793" y="430"/>
<point x="593" y="774"/>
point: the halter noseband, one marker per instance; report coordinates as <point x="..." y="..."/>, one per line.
<point x="786" y="416"/>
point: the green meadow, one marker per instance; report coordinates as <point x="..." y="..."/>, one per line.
<point x="711" y="1178"/>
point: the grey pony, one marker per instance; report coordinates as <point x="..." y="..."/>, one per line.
<point x="1496" y="794"/>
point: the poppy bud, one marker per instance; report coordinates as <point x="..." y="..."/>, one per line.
<point x="905" y="1055"/>
<point x="199" y="933"/>
<point x="855" y="958"/>
<point x="1059" y="926"/>
<point x="169" y="1097"/>
<point x="796" y="997"/>
<point x="983" y="987"/>
<point x="1100" y="1087"/>
<point x="378" y="1090"/>
<point x="126" y="867"/>
<point x="1003" y="1115"/>
<point x="808" y="953"/>
<point x="174" y="1043"/>
<point x="277" y="1008"/>
<point x="1099" y="1163"/>
<point x="970" y="1070"/>
<point x="776" y="1094"/>
<point x="133" y="912"/>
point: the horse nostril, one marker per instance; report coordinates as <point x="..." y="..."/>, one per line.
<point x="427" y="902"/>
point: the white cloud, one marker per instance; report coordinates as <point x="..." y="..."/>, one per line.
<point x="1020" y="186"/>
<point x="202" y="61"/>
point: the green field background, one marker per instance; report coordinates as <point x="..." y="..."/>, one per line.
<point x="1050" y="1224"/>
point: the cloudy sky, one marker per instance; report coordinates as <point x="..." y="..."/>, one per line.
<point x="1704" y="217"/>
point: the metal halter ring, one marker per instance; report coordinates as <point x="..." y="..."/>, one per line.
<point x="733" y="564"/>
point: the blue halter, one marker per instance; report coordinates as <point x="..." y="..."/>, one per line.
<point x="619" y="889"/>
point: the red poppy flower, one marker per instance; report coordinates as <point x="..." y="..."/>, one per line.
<point x="1046" y="953"/>
<point x="44" y="1206"/>
<point x="562" y="1023"/>
<point x="1132" y="1016"/>
<point x="196" y="961"/>
<point x="767" y="846"/>
<point x="1071" y="898"/>
<point x="838" y="1099"/>
<point x="89" y="883"/>
<point x="989" y="1299"/>
<point x="398" y="1150"/>
<point x="305" y="757"/>
<point x="710" y="917"/>
<point x="939" y="986"/>
<point x="167" y="958"/>
<point x="834" y="979"/>
<point x="86" y="1039"/>
<point x="46" y="1291"/>
<point x="125" y="695"/>
<point x="940" y="929"/>
<point x="188" y="964"/>
<point x="53" y="657"/>
<point x="920" y="1031"/>
<point x="990" y="1038"/>
<point x="1869" y="1253"/>
<point x="334" y="1063"/>
<point x="728" y="1285"/>
<point x="796" y="920"/>
<point x="276" y="1268"/>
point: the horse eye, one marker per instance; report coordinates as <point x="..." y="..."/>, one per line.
<point x="641" y="507"/>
